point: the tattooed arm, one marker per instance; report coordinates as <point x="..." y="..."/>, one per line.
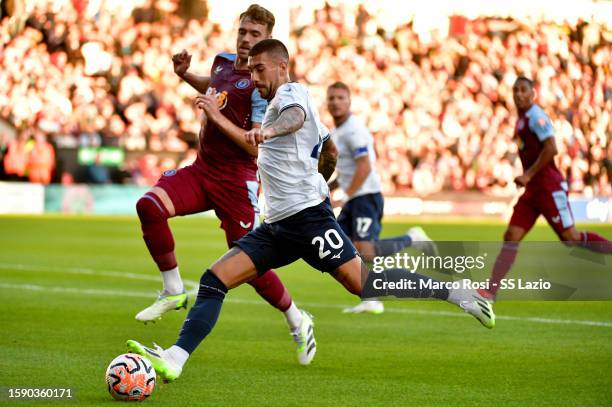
<point x="328" y="158"/>
<point x="289" y="121"/>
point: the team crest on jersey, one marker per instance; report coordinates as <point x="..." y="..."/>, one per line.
<point x="542" y="122"/>
<point x="221" y="97"/>
<point x="169" y="173"/>
<point x="242" y="84"/>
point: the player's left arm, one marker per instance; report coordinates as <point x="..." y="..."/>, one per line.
<point x="358" y="143"/>
<point x="328" y="158"/>
<point x="208" y="103"/>
<point x="289" y="121"/>
<point x="548" y="153"/>
<point x="543" y="129"/>
<point x="363" y="168"/>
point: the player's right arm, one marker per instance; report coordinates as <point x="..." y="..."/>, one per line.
<point x="181" y="63"/>
<point x="208" y="103"/>
<point x="289" y="121"/>
<point x="291" y="101"/>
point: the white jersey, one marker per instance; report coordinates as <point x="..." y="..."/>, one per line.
<point x="354" y="140"/>
<point x="288" y="165"/>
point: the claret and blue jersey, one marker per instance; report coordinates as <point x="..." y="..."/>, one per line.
<point x="532" y="129"/>
<point x="238" y="100"/>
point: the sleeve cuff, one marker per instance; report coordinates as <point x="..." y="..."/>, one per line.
<point x="293" y="105"/>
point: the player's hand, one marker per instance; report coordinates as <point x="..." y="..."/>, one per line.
<point x="181" y="62"/>
<point x="209" y="104"/>
<point x="337" y="203"/>
<point x="256" y="136"/>
<point x="522" y="180"/>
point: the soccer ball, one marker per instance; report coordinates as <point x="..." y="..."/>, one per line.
<point x="130" y="377"/>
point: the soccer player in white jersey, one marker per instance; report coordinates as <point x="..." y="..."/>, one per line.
<point x="295" y="159"/>
<point x="362" y="202"/>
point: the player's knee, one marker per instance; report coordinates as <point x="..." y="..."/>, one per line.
<point x="149" y="209"/>
<point x="366" y="250"/>
<point x="354" y="289"/>
<point x="351" y="284"/>
<point x="570" y="236"/>
<point x="512" y="235"/>
<point x="211" y="286"/>
<point x="225" y="273"/>
<point x="221" y="268"/>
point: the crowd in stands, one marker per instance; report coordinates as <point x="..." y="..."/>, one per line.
<point x="439" y="106"/>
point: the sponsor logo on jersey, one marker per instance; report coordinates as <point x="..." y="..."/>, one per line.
<point x="556" y="219"/>
<point x="242" y="84"/>
<point x="169" y="173"/>
<point x="245" y="225"/>
<point x="521" y="124"/>
<point x="218" y="69"/>
<point x="222" y="99"/>
<point x="337" y="255"/>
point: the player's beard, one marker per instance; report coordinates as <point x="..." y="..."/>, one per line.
<point x="266" y="92"/>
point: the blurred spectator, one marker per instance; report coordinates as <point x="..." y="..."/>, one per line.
<point x="41" y="160"/>
<point x="16" y="157"/>
<point x="98" y="173"/>
<point x="189" y="158"/>
<point x="440" y="108"/>
<point x="76" y="198"/>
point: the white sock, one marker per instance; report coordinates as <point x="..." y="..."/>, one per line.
<point x="455" y="296"/>
<point x="177" y="355"/>
<point x="172" y="281"/>
<point x="294" y="317"/>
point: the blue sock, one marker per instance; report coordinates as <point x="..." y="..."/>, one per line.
<point x="387" y="247"/>
<point x="203" y="315"/>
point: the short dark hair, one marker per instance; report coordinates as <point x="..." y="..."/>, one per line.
<point x="525" y="79"/>
<point x="339" y="85"/>
<point x="270" y="46"/>
<point x="259" y="15"/>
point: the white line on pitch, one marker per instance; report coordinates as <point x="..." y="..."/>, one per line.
<point x="88" y="271"/>
<point x="139" y="294"/>
<point x="447" y="314"/>
<point x="71" y="290"/>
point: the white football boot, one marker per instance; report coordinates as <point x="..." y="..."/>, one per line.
<point x="305" y="340"/>
<point x="422" y="242"/>
<point x="474" y="304"/>
<point x="162" y="304"/>
<point x="369" y="306"/>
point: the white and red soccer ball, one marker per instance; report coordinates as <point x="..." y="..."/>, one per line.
<point x="130" y="377"/>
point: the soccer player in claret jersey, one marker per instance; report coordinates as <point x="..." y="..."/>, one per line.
<point x="223" y="177"/>
<point x="545" y="188"/>
<point x="362" y="202"/>
<point x="296" y="157"/>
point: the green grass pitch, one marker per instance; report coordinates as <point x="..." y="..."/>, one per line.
<point x="70" y="287"/>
